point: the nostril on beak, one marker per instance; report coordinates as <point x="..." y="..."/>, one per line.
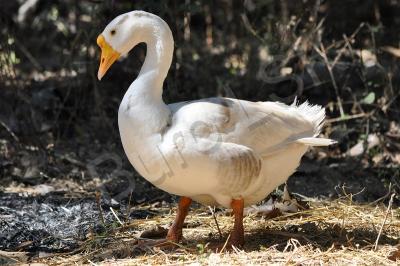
<point x="102" y="60"/>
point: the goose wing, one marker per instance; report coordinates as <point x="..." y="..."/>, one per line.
<point x="263" y="127"/>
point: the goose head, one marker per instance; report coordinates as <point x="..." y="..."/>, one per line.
<point x="122" y="34"/>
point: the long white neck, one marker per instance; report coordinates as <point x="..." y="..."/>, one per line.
<point x="142" y="107"/>
<point x="160" y="47"/>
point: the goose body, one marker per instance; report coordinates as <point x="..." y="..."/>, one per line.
<point x="211" y="150"/>
<point x="217" y="149"/>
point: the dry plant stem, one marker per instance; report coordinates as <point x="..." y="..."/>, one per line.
<point x="98" y="195"/>
<point x="383" y="197"/>
<point x="28" y="55"/>
<point x="91" y="262"/>
<point x="341" y="42"/>
<point x="347" y="44"/>
<point x="128" y="209"/>
<point x="250" y="28"/>
<point x="186" y="24"/>
<point x="216" y="222"/>
<point x="322" y="53"/>
<point x="384" y="220"/>
<point x="9" y="131"/>
<point x="175" y="231"/>
<point x="226" y="243"/>
<point x="386" y="106"/>
<point x="237" y="234"/>
<point x="346" y="118"/>
<point x="116" y="216"/>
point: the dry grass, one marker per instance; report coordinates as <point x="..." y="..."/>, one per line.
<point x="338" y="232"/>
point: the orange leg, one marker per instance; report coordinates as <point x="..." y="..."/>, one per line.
<point x="175" y="231"/>
<point x="237" y="234"/>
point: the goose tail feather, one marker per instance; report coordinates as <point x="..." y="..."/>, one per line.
<point x="316" y="141"/>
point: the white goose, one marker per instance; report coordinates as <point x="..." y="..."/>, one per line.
<point x="216" y="151"/>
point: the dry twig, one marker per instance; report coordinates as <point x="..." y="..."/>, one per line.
<point x="384" y="220"/>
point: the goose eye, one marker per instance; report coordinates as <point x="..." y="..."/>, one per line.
<point x="113" y="32"/>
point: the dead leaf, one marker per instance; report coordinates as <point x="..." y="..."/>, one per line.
<point x="272" y="209"/>
<point x="12" y="257"/>
<point x="368" y="58"/>
<point x="395" y="158"/>
<point x="395" y="254"/>
<point x="155" y="232"/>
<point x="358" y="149"/>
<point x="378" y="158"/>
<point x="24" y="245"/>
<point x="41" y="189"/>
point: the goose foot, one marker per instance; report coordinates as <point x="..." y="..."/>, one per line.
<point x="175" y="231"/>
<point x="236" y="238"/>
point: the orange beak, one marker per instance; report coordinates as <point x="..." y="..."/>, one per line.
<point x="108" y="56"/>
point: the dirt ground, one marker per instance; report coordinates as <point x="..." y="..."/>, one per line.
<point x="338" y="232"/>
<point x="61" y="223"/>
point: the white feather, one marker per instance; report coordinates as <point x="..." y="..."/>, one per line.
<point x="316" y="141"/>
